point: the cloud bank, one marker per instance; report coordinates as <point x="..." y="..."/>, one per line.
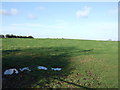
<point x="12" y="11"/>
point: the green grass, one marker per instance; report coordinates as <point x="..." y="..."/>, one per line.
<point x="84" y="63"/>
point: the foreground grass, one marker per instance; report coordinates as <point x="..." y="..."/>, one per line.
<point x="85" y="63"/>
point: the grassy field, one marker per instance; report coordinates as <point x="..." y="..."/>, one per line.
<point x="85" y="63"/>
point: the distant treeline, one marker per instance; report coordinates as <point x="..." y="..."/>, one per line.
<point x="14" y="36"/>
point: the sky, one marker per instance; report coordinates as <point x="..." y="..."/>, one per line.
<point x="74" y="20"/>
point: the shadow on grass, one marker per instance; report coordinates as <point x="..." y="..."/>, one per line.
<point x="9" y="51"/>
<point x="75" y="84"/>
<point x="33" y="57"/>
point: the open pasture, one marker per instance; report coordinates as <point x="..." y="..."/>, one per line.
<point x="85" y="63"/>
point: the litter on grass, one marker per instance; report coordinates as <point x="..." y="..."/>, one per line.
<point x="56" y="69"/>
<point x="10" y="71"/>
<point x="25" y="68"/>
<point x="42" y="67"/>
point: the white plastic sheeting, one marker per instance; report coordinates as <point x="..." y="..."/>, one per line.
<point x="25" y="68"/>
<point x="42" y="67"/>
<point x="56" y="69"/>
<point x="10" y="71"/>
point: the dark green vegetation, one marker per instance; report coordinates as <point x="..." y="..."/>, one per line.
<point x="14" y="36"/>
<point x="84" y="63"/>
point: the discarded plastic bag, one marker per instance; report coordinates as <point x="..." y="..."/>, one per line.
<point x="56" y="69"/>
<point x="42" y="67"/>
<point x="10" y="71"/>
<point x="25" y="68"/>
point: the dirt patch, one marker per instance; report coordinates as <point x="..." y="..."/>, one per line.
<point x="87" y="59"/>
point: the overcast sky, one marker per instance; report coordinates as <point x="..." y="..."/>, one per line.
<point x="80" y="20"/>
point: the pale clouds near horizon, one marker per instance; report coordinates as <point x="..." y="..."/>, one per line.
<point x="88" y="31"/>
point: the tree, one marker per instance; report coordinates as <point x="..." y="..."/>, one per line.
<point x="30" y="37"/>
<point x="7" y="36"/>
<point x="2" y="36"/>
